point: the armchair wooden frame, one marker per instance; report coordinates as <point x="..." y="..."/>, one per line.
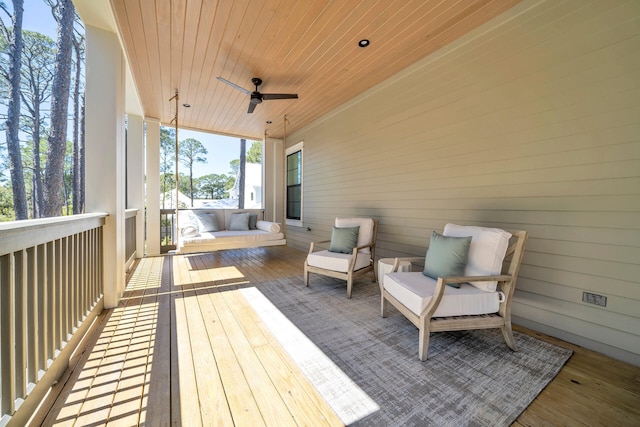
<point x="351" y="272"/>
<point x="426" y="323"/>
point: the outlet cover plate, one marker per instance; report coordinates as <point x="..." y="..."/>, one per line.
<point x="595" y="299"/>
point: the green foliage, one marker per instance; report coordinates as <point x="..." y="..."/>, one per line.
<point x="6" y="204"/>
<point x="167" y="181"/>
<point x="167" y="149"/>
<point x="39" y="52"/>
<point x="254" y="153"/>
<point x="4" y="165"/>
<point x="235" y="166"/>
<point x="191" y="151"/>
<point x="213" y="186"/>
<point x="184" y="186"/>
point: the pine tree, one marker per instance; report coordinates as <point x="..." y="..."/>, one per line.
<point x="64" y="12"/>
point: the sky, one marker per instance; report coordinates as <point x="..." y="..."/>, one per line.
<point x="222" y="149"/>
<point x="37" y="17"/>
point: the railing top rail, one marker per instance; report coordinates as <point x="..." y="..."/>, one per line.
<point x="130" y="212"/>
<point x="18" y="235"/>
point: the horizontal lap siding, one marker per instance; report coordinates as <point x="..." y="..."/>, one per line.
<point x="530" y="122"/>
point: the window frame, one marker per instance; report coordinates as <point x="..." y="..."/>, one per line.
<point x="299" y="147"/>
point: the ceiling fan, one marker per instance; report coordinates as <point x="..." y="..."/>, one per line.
<point x="256" y="96"/>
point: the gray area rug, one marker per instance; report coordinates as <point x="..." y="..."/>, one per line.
<point x="470" y="379"/>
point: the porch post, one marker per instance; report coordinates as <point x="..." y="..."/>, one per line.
<point x="135" y="176"/>
<point x="273" y="180"/>
<point x="153" y="186"/>
<point x="105" y="152"/>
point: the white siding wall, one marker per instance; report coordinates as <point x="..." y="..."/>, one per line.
<point x="531" y="122"/>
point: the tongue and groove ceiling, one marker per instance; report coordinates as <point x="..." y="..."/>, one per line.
<point x="308" y="47"/>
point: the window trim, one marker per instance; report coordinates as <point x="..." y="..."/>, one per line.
<point x="291" y="150"/>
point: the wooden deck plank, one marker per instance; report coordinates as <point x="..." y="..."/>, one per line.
<point x="302" y="399"/>
<point x="97" y="403"/>
<point x="242" y="407"/>
<point x="125" y="410"/>
<point x="214" y="408"/>
<point x="186" y="395"/>
<point x="180" y="305"/>
<point x="591" y="389"/>
<point x="156" y="401"/>
<point x="131" y="387"/>
<point x="262" y="373"/>
<point x="65" y="410"/>
<point x="109" y="364"/>
<point x="272" y="408"/>
<point x="604" y="395"/>
<point x="301" y="396"/>
<point x="240" y="396"/>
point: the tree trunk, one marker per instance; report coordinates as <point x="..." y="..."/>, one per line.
<point x="66" y="196"/>
<point x="37" y="169"/>
<point x="13" y="114"/>
<point x="241" y="180"/>
<point x="164" y="188"/>
<point x="77" y="208"/>
<point x="191" y="181"/>
<point x="54" y="174"/>
<point x="81" y="150"/>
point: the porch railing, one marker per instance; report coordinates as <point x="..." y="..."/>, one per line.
<point x="50" y="292"/>
<point x="130" y="236"/>
<point x="167" y="229"/>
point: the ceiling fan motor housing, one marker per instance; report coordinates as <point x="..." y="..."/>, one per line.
<point x="256" y="98"/>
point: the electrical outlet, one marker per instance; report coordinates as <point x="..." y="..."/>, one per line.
<point x="596" y="299"/>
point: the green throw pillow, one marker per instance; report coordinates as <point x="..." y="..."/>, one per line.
<point x="253" y="221"/>
<point x="239" y="221"/>
<point x="446" y="256"/>
<point x="343" y="240"/>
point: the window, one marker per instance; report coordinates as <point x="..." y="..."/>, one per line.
<point x="294" y="185"/>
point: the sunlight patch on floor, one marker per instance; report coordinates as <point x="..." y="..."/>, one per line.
<point x="344" y="396"/>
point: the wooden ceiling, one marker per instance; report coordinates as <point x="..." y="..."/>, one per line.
<point x="308" y="47"/>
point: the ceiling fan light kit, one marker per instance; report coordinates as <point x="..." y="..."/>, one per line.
<point x="256" y="97"/>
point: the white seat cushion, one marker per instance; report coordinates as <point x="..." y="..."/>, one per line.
<point x="486" y="253"/>
<point x="365" y="234"/>
<point x="414" y="290"/>
<point x="228" y="236"/>
<point x="337" y="261"/>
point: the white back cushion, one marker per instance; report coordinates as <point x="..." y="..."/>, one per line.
<point x="486" y="253"/>
<point x="365" y="234"/>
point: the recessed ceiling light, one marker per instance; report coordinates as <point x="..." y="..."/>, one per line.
<point x="186" y="105"/>
<point x="363" y="43"/>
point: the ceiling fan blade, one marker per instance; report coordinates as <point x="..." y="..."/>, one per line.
<point x="252" y="107"/>
<point x="241" y="89"/>
<point x="279" y="96"/>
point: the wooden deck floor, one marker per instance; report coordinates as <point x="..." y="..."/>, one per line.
<point x="141" y="366"/>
